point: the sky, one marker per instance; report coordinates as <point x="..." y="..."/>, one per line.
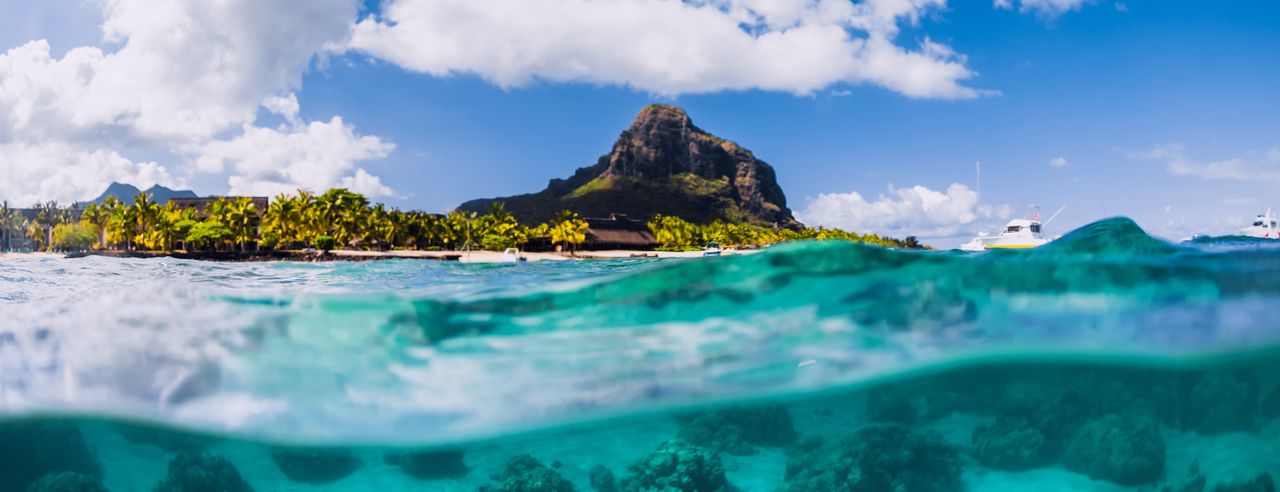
<point x="874" y="113"/>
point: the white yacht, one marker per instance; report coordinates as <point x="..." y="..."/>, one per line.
<point x="1017" y="234"/>
<point x="1020" y="234"/>
<point x="1264" y="226"/>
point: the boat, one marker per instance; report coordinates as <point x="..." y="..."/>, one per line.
<point x="1264" y="226"/>
<point x="512" y="255"/>
<point x="712" y="249"/>
<point x="1022" y="233"/>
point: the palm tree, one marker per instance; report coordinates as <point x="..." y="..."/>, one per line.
<point x="217" y="210"/>
<point x="6" y="224"/>
<point x="98" y="217"/>
<point x="308" y="224"/>
<point x="123" y="225"/>
<point x="282" y="218"/>
<point x="145" y="212"/>
<point x="36" y="233"/>
<point x="242" y="219"/>
<point x="568" y="229"/>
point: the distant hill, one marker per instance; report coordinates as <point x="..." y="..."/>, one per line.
<point x="126" y="192"/>
<point x="662" y="164"/>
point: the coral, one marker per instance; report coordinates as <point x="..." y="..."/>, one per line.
<point x="677" y="466"/>
<point x="524" y="473"/>
<point x="1261" y="483"/>
<point x="431" y="465"/>
<point x="875" y="459"/>
<point x="1221" y="402"/>
<point x="1030" y="432"/>
<point x="315" y="465"/>
<point x="602" y="479"/>
<point x="31" y="449"/>
<point x="1125" y="449"/>
<point x="1013" y="443"/>
<point x="736" y="430"/>
<point x="191" y="472"/>
<point x="67" y="482"/>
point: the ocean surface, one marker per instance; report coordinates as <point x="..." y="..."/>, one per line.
<point x="1105" y="361"/>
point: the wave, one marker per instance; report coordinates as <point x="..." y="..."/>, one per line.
<point x="428" y="352"/>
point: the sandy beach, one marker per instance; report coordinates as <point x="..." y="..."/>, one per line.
<point x="31" y="255"/>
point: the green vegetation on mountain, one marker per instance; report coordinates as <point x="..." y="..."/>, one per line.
<point x="663" y="165"/>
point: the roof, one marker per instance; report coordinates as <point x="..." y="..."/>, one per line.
<point x="619" y="231"/>
<point x="639" y="239"/>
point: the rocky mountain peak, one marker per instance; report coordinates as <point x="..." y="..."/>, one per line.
<point x="664" y="164"/>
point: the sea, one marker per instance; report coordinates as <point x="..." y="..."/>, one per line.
<point x="1107" y="360"/>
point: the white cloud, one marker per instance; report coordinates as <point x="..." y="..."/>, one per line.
<point x="285" y="106"/>
<point x="1059" y="161"/>
<point x="184" y="69"/>
<point x="917" y="211"/>
<point x="669" y="46"/>
<point x="173" y="76"/>
<point x="1254" y="166"/>
<point x="316" y="156"/>
<point x="1045" y="8"/>
<point x="65" y="174"/>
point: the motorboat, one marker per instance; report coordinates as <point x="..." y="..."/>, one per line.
<point x="1020" y="234"/>
<point x="1263" y="226"/>
<point x="1017" y="234"/>
<point x="712" y="249"/>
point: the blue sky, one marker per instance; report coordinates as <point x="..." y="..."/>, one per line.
<point x="1161" y="111"/>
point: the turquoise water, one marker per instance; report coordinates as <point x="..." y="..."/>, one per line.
<point x="1107" y="360"/>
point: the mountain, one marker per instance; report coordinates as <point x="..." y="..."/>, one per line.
<point x="662" y="164"/>
<point x="126" y="192"/>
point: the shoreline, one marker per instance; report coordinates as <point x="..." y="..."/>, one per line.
<point x="358" y="255"/>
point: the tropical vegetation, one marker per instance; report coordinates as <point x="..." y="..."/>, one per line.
<point x="676" y="234"/>
<point x="342" y="219"/>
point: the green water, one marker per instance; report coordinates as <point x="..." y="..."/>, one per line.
<point x="1108" y="360"/>
<point x="1013" y="424"/>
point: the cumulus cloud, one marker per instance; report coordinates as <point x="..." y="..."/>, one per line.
<point x="1059" y="161"/>
<point x="1045" y="8"/>
<point x="669" y="46"/>
<point x="1252" y="166"/>
<point x="184" y="69"/>
<point x="77" y="174"/>
<point x="316" y="156"/>
<point x="917" y="211"/>
<point x="176" y="76"/>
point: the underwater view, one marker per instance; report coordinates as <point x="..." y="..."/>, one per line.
<point x="1107" y="360"/>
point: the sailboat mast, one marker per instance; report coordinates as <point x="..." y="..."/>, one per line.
<point x="978" y="164"/>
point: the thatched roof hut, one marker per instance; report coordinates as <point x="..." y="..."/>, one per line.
<point x="618" y="232"/>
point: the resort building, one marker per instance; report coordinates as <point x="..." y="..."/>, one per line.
<point x="618" y="232"/>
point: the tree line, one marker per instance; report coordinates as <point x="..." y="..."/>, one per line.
<point x="341" y="219"/>
<point x="676" y="234"/>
